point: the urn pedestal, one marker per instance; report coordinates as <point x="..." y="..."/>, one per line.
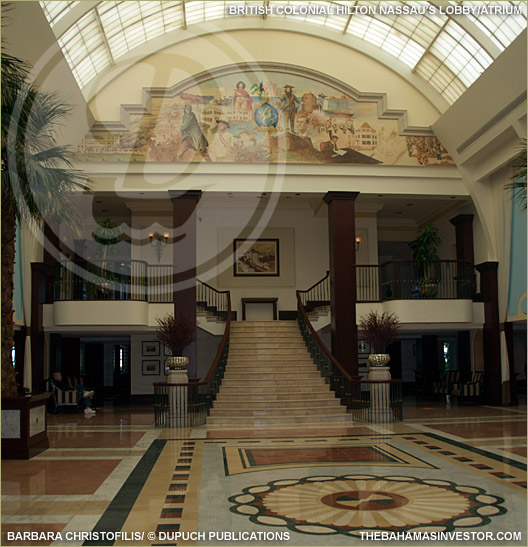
<point x="380" y="408"/>
<point x="178" y="396"/>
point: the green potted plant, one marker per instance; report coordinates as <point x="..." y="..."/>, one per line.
<point x="177" y="332"/>
<point x="424" y="248"/>
<point x="379" y="330"/>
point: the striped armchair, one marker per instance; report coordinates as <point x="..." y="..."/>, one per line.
<point x="472" y="390"/>
<point x="63" y="398"/>
<point x="445" y="385"/>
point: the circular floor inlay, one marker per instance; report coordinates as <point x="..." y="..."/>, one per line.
<point x="330" y="505"/>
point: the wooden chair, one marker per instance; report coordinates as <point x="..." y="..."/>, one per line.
<point x="473" y="390"/>
<point x="445" y="385"/>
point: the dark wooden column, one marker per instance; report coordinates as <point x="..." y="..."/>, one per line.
<point x="38" y="297"/>
<point x="184" y="260"/>
<point x="508" y="332"/>
<point x="464" y="237"/>
<point x="489" y="291"/>
<point x="342" y="234"/>
<point x="464" y="353"/>
<point x="430" y="361"/>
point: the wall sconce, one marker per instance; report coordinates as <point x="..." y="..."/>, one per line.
<point x="158" y="241"/>
<point x="358" y="242"/>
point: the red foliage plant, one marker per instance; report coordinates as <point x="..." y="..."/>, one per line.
<point x="379" y="330"/>
<point x="176" y="332"/>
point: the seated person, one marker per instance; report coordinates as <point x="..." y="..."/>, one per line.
<point x="83" y="396"/>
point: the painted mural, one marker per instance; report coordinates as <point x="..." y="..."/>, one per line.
<point x="272" y="118"/>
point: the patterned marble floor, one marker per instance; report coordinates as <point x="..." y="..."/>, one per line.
<point x="444" y="471"/>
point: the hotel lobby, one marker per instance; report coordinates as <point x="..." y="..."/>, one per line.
<point x="268" y="174"/>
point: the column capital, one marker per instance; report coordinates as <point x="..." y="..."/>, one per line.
<point x="185" y="194"/>
<point x="342" y="196"/>
<point x="487" y="267"/>
<point x="460" y="219"/>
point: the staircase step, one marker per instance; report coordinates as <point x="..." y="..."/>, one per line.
<point x="243" y="389"/>
<point x="260" y="376"/>
<point x="261" y="367"/>
<point x="280" y="324"/>
<point x="250" y="352"/>
<point x="288" y="360"/>
<point x="229" y="395"/>
<point x="242" y="405"/>
<point x="276" y="412"/>
<point x="278" y="420"/>
<point x="250" y="343"/>
<point x="273" y="384"/>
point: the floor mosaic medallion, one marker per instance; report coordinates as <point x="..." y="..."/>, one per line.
<point x="347" y="504"/>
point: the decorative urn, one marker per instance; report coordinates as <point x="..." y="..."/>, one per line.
<point x="378" y="359"/>
<point x="177" y="363"/>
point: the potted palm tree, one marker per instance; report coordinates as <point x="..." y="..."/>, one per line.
<point x="177" y="332"/>
<point x="379" y="330"/>
<point x="424" y="248"/>
<point x="37" y="179"/>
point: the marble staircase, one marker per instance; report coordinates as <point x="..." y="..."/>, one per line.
<point x="271" y="381"/>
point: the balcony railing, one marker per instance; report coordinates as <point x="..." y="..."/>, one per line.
<point x="114" y="279"/>
<point x="426" y="279"/>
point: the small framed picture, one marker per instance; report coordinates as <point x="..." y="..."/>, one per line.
<point x="363" y="347"/>
<point x="167" y="351"/>
<point x="151" y="368"/>
<point x="151" y="348"/>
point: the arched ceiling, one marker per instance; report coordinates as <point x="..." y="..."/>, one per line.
<point x="449" y="52"/>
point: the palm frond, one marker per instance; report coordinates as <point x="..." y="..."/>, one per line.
<point x="517" y="186"/>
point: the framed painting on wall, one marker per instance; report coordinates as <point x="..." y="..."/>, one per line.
<point x="150" y="348"/>
<point x="150" y="368"/>
<point x="256" y="258"/>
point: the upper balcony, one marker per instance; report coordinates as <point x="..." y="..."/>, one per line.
<point x="134" y="292"/>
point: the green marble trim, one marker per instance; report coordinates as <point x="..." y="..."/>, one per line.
<point x="479" y="451"/>
<point x="117" y="512"/>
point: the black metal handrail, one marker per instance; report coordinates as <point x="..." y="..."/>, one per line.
<point x="329" y="367"/>
<point x="367" y="400"/>
<point x="318" y="295"/>
<point x="115" y="279"/>
<point x="211" y="300"/>
<point x="188" y="405"/>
